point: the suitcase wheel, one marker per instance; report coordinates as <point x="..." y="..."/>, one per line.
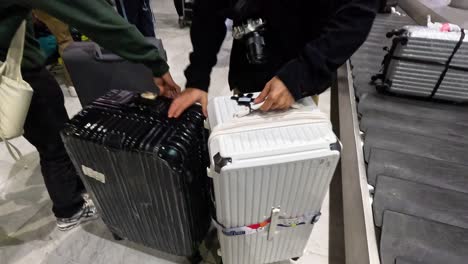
<point x="117" y="237"/>
<point x="295" y="259"/>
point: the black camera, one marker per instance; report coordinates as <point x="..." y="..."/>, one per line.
<point x="252" y="32"/>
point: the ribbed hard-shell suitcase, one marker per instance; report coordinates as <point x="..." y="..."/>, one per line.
<point x="428" y="63"/>
<point x="146" y="173"/>
<point x="95" y="71"/>
<point x="270" y="173"/>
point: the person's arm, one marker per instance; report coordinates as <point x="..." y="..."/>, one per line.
<point x="97" y="20"/>
<point x="311" y="72"/>
<point x="207" y="33"/>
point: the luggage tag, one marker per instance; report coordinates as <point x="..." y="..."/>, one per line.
<point x="252" y="109"/>
<point x="246" y="100"/>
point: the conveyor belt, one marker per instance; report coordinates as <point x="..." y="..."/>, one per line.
<point x="449" y="131"/>
<point x="447" y="175"/>
<point x="422" y="240"/>
<point x="416" y="108"/>
<point x="416" y="153"/>
<point x="418" y="145"/>
<point x="400" y="260"/>
<point x="445" y="206"/>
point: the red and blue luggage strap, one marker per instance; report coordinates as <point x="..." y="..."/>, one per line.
<point x="283" y="222"/>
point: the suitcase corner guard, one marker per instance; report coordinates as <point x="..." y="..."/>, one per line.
<point x="336" y="146"/>
<point x="220" y="162"/>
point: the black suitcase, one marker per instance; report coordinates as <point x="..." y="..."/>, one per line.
<point x="95" y="71"/>
<point x="146" y="173"/>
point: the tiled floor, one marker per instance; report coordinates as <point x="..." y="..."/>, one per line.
<point x="27" y="228"/>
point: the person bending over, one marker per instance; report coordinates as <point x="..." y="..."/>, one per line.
<point x="47" y="114"/>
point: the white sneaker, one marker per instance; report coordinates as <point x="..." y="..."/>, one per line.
<point x="87" y="213"/>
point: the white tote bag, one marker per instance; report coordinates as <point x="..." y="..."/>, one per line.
<point x="15" y="93"/>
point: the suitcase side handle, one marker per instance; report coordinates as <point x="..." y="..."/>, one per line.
<point x="101" y="54"/>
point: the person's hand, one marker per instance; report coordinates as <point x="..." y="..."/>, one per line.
<point x="187" y="98"/>
<point x="276" y="96"/>
<point x="167" y="86"/>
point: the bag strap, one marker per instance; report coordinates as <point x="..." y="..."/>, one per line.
<point x="447" y="64"/>
<point x="15" y="153"/>
<point x="12" y="65"/>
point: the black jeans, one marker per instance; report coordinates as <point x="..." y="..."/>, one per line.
<point x="179" y="5"/>
<point x="46" y="117"/>
<point x="138" y="13"/>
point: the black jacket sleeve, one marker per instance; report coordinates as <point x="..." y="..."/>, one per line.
<point x="311" y="72"/>
<point x="207" y="33"/>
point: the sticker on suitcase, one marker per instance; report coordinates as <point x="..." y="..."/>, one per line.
<point x="263" y="226"/>
<point x="93" y="174"/>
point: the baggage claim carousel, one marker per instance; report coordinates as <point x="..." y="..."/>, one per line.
<point x="404" y="169"/>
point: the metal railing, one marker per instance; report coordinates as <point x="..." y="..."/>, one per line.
<point x="359" y="231"/>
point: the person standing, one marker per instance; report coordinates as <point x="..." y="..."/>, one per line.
<point x="47" y="114"/>
<point x="138" y="13"/>
<point x="286" y="49"/>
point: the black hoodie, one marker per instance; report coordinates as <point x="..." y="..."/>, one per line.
<point x="308" y="40"/>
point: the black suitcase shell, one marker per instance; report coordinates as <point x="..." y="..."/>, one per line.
<point x="146" y="173"/>
<point x="95" y="71"/>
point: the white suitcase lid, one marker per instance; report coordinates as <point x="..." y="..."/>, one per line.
<point x="267" y="134"/>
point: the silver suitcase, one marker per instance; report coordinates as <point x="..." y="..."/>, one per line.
<point x="428" y="63"/>
<point x="270" y="174"/>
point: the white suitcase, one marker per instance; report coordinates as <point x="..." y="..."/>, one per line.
<point x="271" y="172"/>
<point x="425" y="62"/>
